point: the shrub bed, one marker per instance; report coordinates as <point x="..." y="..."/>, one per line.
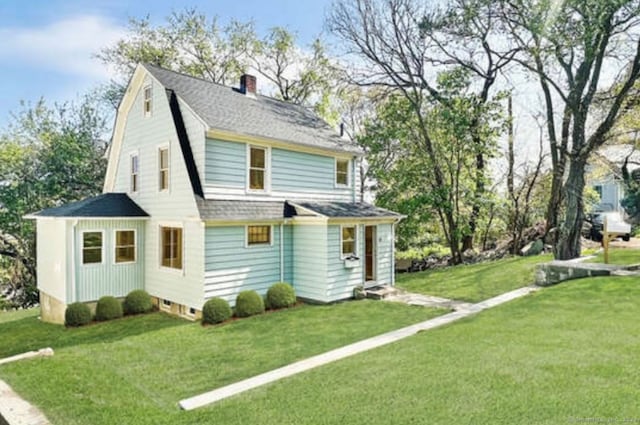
<point x="281" y="295"/>
<point x="108" y="308"/>
<point x="77" y="314"/>
<point x="137" y="302"/>
<point x="215" y="310"/>
<point x="249" y="303"/>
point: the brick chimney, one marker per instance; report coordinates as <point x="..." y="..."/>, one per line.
<point x="248" y="84"/>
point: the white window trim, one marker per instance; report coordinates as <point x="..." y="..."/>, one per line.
<point x="148" y="113"/>
<point x="267" y="169"/>
<point x="131" y="156"/>
<point x="257" y="245"/>
<point x="335" y="173"/>
<point x="102" y="246"/>
<point x="159" y="148"/>
<point x="356" y="236"/>
<point x="135" y="246"/>
<point x="159" y="247"/>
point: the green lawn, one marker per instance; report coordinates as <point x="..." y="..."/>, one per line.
<point x="475" y="282"/>
<point x="563" y="355"/>
<point x="622" y="256"/>
<point x="135" y="370"/>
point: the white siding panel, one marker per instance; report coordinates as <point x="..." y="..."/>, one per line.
<point x="52" y="276"/>
<point x="385" y="253"/>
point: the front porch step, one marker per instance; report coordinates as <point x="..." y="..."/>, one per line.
<point x="381" y="292"/>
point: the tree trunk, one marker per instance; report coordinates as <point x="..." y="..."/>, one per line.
<point x="568" y="235"/>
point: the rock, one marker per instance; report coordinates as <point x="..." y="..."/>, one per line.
<point x="532" y="248"/>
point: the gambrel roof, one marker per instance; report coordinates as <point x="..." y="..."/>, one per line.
<point x="226" y="108"/>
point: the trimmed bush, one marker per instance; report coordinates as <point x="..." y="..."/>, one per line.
<point x="216" y="310"/>
<point x="137" y="302"/>
<point x="108" y="308"/>
<point x="77" y="314"/>
<point x="281" y="295"/>
<point x="249" y="303"/>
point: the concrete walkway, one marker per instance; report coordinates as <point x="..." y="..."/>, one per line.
<point x="16" y="411"/>
<point x="346" y="351"/>
<point x="428" y="301"/>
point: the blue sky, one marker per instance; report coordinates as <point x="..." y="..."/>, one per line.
<point x="46" y="46"/>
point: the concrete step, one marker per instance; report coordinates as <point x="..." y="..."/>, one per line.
<point x="381" y="292"/>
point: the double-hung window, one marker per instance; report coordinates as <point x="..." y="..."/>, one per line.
<point x="342" y="172"/>
<point x="125" y="248"/>
<point x="163" y="167"/>
<point x="258" y="168"/>
<point x="147" y="103"/>
<point x="135" y="173"/>
<point x="348" y="240"/>
<point x="92" y="247"/>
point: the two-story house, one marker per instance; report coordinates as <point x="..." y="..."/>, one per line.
<point x="211" y="190"/>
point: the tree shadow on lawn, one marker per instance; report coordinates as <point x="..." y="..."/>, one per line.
<point x="29" y="333"/>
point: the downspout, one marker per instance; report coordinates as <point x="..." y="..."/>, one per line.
<point x="282" y="252"/>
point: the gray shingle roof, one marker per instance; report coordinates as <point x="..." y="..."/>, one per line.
<point x="223" y="210"/>
<point x="105" y="205"/>
<point x="225" y="108"/>
<point x="348" y="210"/>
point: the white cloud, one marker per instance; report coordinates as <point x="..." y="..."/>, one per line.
<point x="67" y="45"/>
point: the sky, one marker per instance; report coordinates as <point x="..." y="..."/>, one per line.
<point x="47" y="46"/>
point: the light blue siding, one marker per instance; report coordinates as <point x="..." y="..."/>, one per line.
<point x="342" y="280"/>
<point x="225" y="163"/>
<point x="288" y="253"/>
<point x="310" y="262"/>
<point x="384" y="253"/>
<point x="297" y="171"/>
<point x="96" y="280"/>
<point x="231" y="267"/>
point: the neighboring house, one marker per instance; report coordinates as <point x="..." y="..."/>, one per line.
<point x="604" y="174"/>
<point x="209" y="191"/>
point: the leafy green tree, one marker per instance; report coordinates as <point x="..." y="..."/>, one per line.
<point x="48" y="156"/>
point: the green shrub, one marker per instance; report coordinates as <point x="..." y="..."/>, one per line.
<point x="249" y="303"/>
<point x="137" y="302"/>
<point x="216" y="310"/>
<point x="77" y="314"/>
<point x="108" y="308"/>
<point x="281" y="295"/>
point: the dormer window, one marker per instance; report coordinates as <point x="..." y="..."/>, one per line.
<point x="147" y="104"/>
<point x="342" y="172"/>
<point x="258" y="168"/>
<point x="163" y="169"/>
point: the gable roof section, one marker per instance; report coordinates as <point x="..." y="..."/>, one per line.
<point x="225" y="108"/>
<point x="109" y="205"/>
<point x="347" y="210"/>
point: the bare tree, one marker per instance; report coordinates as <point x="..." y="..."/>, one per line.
<point x="576" y="49"/>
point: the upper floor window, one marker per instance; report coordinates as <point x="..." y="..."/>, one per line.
<point x="348" y="240"/>
<point x="258" y="168"/>
<point x="163" y="166"/>
<point x="147" y="104"/>
<point x="342" y="172"/>
<point x="134" y="173"/>
<point x="258" y="235"/>
<point x="92" y="247"/>
<point x="171" y="247"/>
<point x="125" y="248"/>
<point x="598" y="190"/>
